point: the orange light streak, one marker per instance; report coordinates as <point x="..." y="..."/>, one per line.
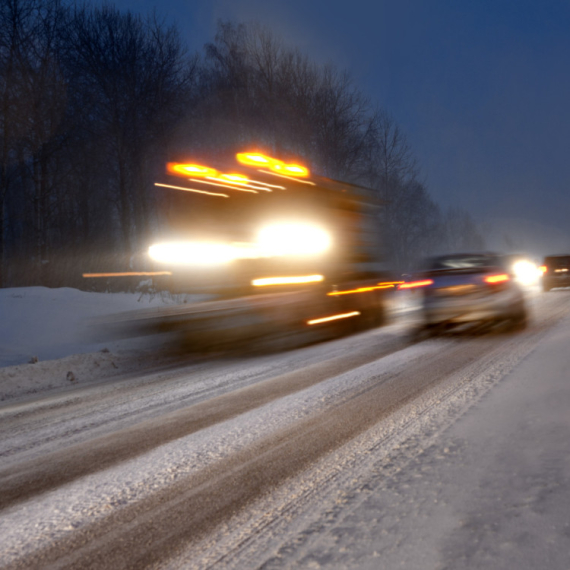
<point x="333" y="318"/>
<point x="267" y="184"/>
<point x="292" y="169"/>
<point x="260" y="188"/>
<point x="361" y="289"/>
<point x="542" y="269"/>
<point x="274" y="164"/>
<point x="492" y="279"/>
<point x="235" y="185"/>
<point x="415" y="284"/>
<point x="200" y="171"/>
<point x="129" y="274"/>
<point x="254" y="159"/>
<point x="235" y="178"/>
<point x="190" y="169"/>
<point x="191" y="190"/>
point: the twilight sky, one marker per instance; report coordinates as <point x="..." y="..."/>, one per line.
<point x="480" y="87"/>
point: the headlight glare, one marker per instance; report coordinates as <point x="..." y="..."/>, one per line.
<point x="293" y="239"/>
<point x="191" y="253"/>
<point x="526" y="272"/>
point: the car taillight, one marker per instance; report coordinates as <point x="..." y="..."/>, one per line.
<point x="495" y="279"/>
<point x="416" y="284"/>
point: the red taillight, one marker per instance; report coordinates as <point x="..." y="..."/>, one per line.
<point x="494" y="279"/>
<point x="415" y="284"/>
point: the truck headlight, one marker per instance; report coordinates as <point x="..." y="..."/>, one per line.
<point x="293" y="239"/>
<point x="191" y="253"/>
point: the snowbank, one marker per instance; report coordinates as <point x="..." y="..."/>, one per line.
<point x="46" y="340"/>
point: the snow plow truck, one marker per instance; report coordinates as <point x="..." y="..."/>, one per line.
<point x="278" y="251"/>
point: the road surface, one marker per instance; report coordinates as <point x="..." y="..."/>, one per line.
<point x="370" y="451"/>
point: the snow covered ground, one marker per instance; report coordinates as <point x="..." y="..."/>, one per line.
<point x="491" y="491"/>
<point x="45" y="324"/>
<point x="465" y="463"/>
<point x="47" y="339"/>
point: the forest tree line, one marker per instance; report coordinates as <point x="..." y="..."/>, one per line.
<point x="94" y="102"/>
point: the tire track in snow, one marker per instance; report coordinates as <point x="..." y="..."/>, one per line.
<point x="164" y="521"/>
<point x="31" y="477"/>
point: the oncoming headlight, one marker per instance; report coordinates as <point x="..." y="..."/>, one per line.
<point x="526" y="272"/>
<point x="192" y="253"/>
<point x="293" y="239"/>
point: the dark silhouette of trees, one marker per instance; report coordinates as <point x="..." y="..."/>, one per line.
<point x="94" y="101"/>
<point x="131" y="77"/>
<point x="90" y="98"/>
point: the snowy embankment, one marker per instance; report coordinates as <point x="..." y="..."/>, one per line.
<point x="46" y="340"/>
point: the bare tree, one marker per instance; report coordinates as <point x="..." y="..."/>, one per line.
<point x="16" y="30"/>
<point x="257" y="90"/>
<point x="391" y="162"/>
<point x="33" y="105"/>
<point x="132" y="78"/>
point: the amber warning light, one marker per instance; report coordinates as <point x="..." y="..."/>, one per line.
<point x="196" y="170"/>
<point x="275" y="165"/>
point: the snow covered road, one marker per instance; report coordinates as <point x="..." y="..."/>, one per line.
<point x="367" y="451"/>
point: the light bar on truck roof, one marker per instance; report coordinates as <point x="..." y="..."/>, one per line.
<point x="234" y="178"/>
<point x="273" y="164"/>
<point x="196" y="170"/>
<point x="292" y="169"/>
<point x="255" y="159"/>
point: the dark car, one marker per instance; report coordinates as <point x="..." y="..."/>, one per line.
<point x="469" y="288"/>
<point x="555" y="272"/>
